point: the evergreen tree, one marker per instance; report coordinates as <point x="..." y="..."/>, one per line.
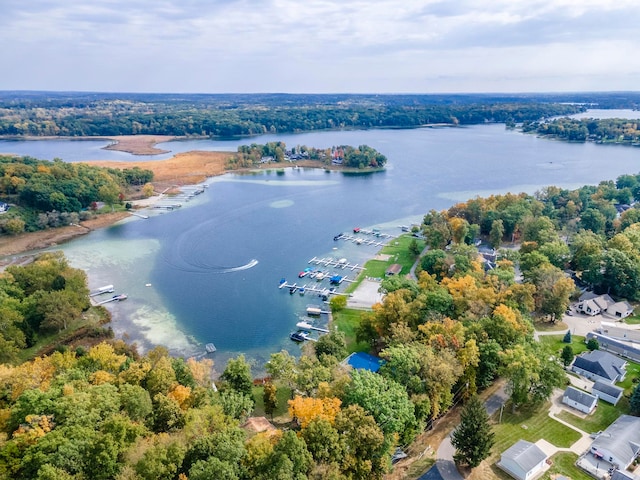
<point x="567" y="355"/>
<point x="634" y="402"/>
<point x="473" y="438"/>
<point x="567" y="337"/>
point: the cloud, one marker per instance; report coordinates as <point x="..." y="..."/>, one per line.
<point x="315" y="45"/>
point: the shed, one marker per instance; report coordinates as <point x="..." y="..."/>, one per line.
<point x="523" y="460"/>
<point x="619" y="444"/>
<point x="582" y="401"/>
<point x="257" y="425"/>
<point x="607" y="392"/>
<point x="394" y="269"/>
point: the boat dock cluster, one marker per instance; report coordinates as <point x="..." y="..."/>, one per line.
<point x="104" y="290"/>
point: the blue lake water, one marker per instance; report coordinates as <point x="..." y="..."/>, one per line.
<point x="214" y="265"/>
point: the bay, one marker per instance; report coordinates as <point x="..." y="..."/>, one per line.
<point x="214" y="264"/>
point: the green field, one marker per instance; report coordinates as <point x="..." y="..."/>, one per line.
<point x="555" y="343"/>
<point x="282" y="410"/>
<point x="604" y="415"/>
<point x="346" y="321"/>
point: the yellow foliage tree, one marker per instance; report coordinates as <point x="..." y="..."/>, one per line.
<point x="201" y="370"/>
<point x="106" y="357"/>
<point x="181" y="395"/>
<point x="305" y="409"/>
<point x="136" y="372"/>
<point x="31" y="375"/>
<point x="101" y="376"/>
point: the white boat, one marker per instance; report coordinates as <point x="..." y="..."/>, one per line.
<point x="210" y="347"/>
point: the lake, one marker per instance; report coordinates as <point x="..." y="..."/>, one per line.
<point x="214" y="265"/>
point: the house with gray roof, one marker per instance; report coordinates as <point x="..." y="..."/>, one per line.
<point x="592" y="304"/>
<point x="620" y="310"/>
<point x="600" y="366"/>
<point x="626" y="349"/>
<point x="619" y="444"/>
<point x="607" y="392"/>
<point x="623" y="475"/>
<point x="581" y="401"/>
<point x="523" y="460"/>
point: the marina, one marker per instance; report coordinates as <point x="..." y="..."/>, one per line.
<point x="358" y="240"/>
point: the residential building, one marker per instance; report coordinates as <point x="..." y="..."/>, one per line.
<point x="581" y="401"/>
<point x="599" y="365"/>
<point x="619" y="444"/>
<point x="523" y="460"/>
<point x="607" y="392"/>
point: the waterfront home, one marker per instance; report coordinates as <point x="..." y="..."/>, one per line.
<point x="581" y="401"/>
<point x="599" y="365"/>
<point x="619" y="444"/>
<point x="607" y="392"/>
<point x="523" y="460"/>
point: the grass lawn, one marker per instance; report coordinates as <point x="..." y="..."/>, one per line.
<point x="550" y="327"/>
<point x="632" y="319"/>
<point x="603" y="416"/>
<point x="555" y="343"/>
<point x="530" y="424"/>
<point x="564" y="464"/>
<point x="282" y="410"/>
<point x="398" y="249"/>
<point x="346" y="321"/>
<point x="633" y="373"/>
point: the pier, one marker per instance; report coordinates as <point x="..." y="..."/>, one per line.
<point x="307" y="288"/>
<point x="375" y="232"/>
<point x="358" y="240"/>
<point x="136" y="214"/>
<point x="330" y="262"/>
<point x="115" y="298"/>
<point x="307" y="326"/>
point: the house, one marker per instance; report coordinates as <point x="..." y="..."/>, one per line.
<point x="607" y="392"/>
<point x="599" y="365"/>
<point x="620" y="310"/>
<point x="619" y="444"/>
<point x="623" y="348"/>
<point x="623" y="475"/>
<point x="582" y="401"/>
<point x="591" y="304"/>
<point x="255" y="425"/>
<point x="394" y="269"/>
<point x="523" y="460"/>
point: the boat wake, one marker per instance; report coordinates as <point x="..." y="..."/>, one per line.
<point x="202" y="267"/>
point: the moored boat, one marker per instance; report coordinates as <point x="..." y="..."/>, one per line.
<point x="210" y="347"/>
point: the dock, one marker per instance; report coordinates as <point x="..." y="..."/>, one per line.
<point x="358" y="240"/>
<point x="307" y="326"/>
<point x="375" y="232"/>
<point x="294" y="287"/>
<point x="115" y="298"/>
<point x="331" y="262"/>
<point x="102" y="291"/>
<point x="136" y="214"/>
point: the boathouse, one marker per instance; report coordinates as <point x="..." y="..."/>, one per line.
<point x="394" y="269"/>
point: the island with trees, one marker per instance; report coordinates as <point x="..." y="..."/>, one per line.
<point x="610" y="130"/>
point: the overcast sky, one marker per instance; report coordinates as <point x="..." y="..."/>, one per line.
<point x="298" y="46"/>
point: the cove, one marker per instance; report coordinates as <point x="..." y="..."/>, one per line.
<point x="214" y="265"/>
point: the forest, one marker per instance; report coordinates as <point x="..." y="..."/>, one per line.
<point x="51" y="194"/>
<point x="78" y="114"/>
<point x="104" y="411"/>
<point x="609" y="130"/>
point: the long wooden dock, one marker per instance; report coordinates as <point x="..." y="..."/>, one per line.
<point x="331" y="262"/>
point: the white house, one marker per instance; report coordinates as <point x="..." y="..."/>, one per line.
<point x="591" y="304"/>
<point x="607" y="392"/>
<point x="619" y="444"/>
<point x="599" y="365"/>
<point x="523" y="460"/>
<point x="582" y="401"/>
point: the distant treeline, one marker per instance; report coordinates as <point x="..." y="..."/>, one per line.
<point x="43" y="114"/>
<point x="608" y="130"/>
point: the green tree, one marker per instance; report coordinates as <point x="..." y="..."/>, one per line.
<point x="567" y="355"/>
<point x="237" y="375"/>
<point x="109" y="194"/>
<point x="496" y="233"/>
<point x="333" y="344"/>
<point x="323" y="441"/>
<point x="592" y="344"/>
<point x="270" y="398"/>
<point x="634" y="401"/>
<point x="385" y="399"/>
<point x="473" y="438"/>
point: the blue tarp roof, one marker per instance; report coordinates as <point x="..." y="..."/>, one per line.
<point x="364" y="361"/>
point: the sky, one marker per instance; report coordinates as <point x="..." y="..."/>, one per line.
<point x="320" y="46"/>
